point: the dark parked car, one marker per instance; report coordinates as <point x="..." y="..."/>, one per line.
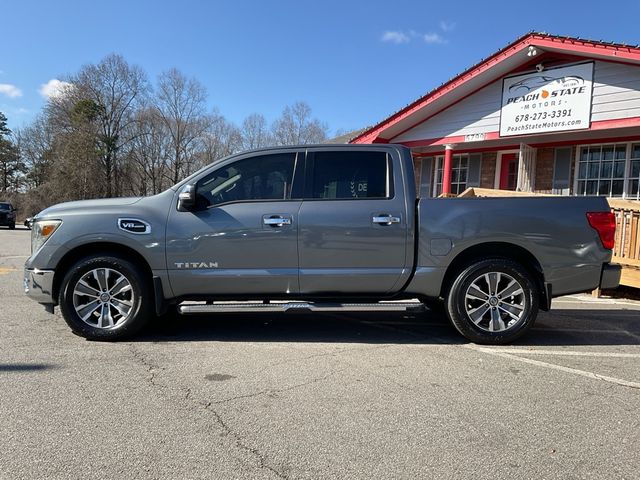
<point x="7" y="215"/>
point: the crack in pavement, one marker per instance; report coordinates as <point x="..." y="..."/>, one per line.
<point x="262" y="463"/>
<point x="206" y="405"/>
<point x="277" y="390"/>
<point x="334" y="353"/>
<point x="308" y="357"/>
<point x="151" y="368"/>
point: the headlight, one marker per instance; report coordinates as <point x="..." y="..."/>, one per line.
<point x="41" y="232"/>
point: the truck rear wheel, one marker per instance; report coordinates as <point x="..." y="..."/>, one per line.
<point x="104" y="297"/>
<point x="493" y="301"/>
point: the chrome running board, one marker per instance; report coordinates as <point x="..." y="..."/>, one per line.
<point x="247" y="307"/>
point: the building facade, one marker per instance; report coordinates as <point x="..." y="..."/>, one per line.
<point x="545" y="114"/>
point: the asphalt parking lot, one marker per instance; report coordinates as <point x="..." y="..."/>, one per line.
<point x="301" y="396"/>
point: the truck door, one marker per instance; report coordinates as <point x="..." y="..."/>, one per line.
<point x="241" y="239"/>
<point x="353" y="231"/>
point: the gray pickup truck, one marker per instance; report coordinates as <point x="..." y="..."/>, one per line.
<point x="318" y="228"/>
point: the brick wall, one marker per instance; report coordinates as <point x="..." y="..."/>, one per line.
<point x="488" y="170"/>
<point x="544" y="170"/>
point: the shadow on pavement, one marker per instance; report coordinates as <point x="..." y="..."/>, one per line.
<point x="556" y="328"/>
<point x="24" y="367"/>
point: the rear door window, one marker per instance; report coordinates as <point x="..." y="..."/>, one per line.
<point x="350" y="176"/>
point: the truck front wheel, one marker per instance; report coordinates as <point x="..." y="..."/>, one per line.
<point x="104" y="297"/>
<point x="493" y="301"/>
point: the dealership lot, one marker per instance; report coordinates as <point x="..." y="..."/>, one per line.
<point x="317" y="396"/>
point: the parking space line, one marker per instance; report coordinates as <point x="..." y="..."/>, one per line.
<point x="602" y="301"/>
<point x="517" y="351"/>
<point x="581" y="330"/>
<point x="552" y="366"/>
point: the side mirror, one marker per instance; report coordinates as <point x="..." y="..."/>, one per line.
<point x="187" y="198"/>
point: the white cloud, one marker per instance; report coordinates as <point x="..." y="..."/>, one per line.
<point x="395" y="37"/>
<point x="433" y="38"/>
<point x="10" y="91"/>
<point x="53" y="88"/>
<point x="447" y="26"/>
<point x="398" y="37"/>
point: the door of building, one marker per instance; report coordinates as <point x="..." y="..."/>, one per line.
<point x="509" y="171"/>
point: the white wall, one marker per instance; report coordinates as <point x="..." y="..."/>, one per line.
<point x="616" y="94"/>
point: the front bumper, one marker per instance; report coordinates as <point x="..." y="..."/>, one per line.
<point x="610" y="277"/>
<point x="38" y="285"/>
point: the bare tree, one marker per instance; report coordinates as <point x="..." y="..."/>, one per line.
<point x="181" y="103"/>
<point x="105" y="134"/>
<point x="149" y="154"/>
<point x="37" y="150"/>
<point x="221" y="139"/>
<point x="255" y="132"/>
<point x="295" y="126"/>
<point x="106" y="96"/>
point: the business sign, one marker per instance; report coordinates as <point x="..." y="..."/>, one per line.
<point x="553" y="100"/>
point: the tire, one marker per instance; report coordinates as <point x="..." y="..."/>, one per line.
<point x="12" y="226"/>
<point x="482" y="312"/>
<point x="105" y="297"/>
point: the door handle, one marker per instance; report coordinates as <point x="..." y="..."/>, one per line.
<point x="385" y="219"/>
<point x="276" y="221"/>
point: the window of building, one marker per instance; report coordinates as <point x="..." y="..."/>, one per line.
<point x="459" y="174"/>
<point x="350" y="175"/>
<point x="634" y="173"/>
<point x="426" y="177"/>
<point x="601" y="170"/>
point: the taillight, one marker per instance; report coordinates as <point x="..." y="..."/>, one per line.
<point x="605" y="224"/>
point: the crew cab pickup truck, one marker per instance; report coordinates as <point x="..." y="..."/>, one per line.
<point x="318" y="228"/>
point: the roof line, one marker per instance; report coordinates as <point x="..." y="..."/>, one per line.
<point x="371" y="134"/>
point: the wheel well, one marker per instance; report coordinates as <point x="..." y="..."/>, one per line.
<point x="494" y="250"/>
<point x="102" y="248"/>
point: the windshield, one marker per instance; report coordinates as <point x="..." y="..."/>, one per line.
<point x="5" y="206"/>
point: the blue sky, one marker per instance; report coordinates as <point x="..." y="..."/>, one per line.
<point x="353" y="62"/>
